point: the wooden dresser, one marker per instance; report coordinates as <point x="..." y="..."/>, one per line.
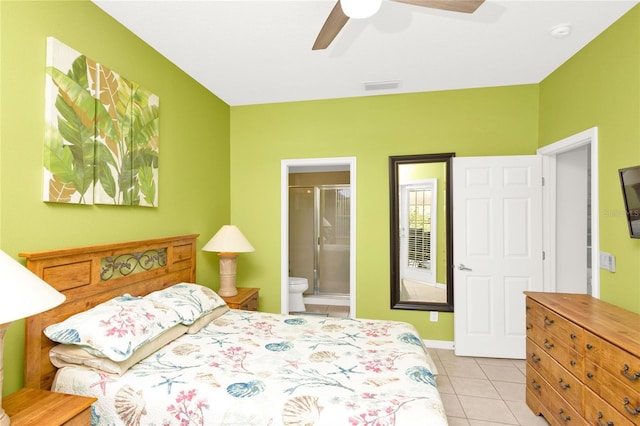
<point x="583" y="360"/>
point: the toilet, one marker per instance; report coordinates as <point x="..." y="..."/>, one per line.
<point x="297" y="286"/>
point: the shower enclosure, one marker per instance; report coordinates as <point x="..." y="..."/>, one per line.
<point x="319" y="244"/>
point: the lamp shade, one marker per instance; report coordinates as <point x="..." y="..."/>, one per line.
<point x="360" y="9"/>
<point x="22" y="293"/>
<point x="228" y="239"/>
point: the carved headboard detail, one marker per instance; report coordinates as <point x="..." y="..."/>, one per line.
<point x="90" y="275"/>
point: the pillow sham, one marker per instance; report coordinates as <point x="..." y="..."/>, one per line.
<point x="191" y="301"/>
<point x="63" y="355"/>
<point x="201" y="322"/>
<point x="116" y="328"/>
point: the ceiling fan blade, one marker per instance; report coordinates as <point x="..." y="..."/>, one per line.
<point x="463" y="6"/>
<point x="331" y="27"/>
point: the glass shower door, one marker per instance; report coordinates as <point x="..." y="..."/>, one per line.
<point x="333" y="221"/>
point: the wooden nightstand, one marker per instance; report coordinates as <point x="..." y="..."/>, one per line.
<point x="41" y="407"/>
<point x="246" y="299"/>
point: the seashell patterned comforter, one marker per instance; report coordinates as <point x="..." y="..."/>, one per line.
<point x="255" y="368"/>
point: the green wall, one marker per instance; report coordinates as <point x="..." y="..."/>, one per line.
<point x="495" y="121"/>
<point x="600" y="86"/>
<point x="194" y="146"/>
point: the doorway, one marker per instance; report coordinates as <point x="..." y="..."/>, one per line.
<point x="319" y="234"/>
<point x="568" y="166"/>
<point x="318" y="230"/>
<point x="571" y="226"/>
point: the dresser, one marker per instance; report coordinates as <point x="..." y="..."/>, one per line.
<point x="583" y="360"/>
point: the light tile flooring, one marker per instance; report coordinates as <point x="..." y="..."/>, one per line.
<point x="332" y="311"/>
<point x="483" y="391"/>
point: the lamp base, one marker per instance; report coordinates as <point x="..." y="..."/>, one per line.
<point x="228" y="262"/>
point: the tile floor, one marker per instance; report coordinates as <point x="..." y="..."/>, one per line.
<point x="483" y="391"/>
<point x="332" y="311"/>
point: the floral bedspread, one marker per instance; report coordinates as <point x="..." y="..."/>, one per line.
<point x="255" y="368"/>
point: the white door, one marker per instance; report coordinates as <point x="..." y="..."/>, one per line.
<point x="497" y="251"/>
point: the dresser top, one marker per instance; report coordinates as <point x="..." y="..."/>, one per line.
<point x="610" y="322"/>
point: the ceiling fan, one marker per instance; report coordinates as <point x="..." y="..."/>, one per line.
<point x="344" y="9"/>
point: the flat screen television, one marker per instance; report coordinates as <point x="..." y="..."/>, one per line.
<point x="630" y="181"/>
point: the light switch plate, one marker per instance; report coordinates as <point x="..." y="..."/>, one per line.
<point x="433" y="316"/>
<point x="607" y="261"/>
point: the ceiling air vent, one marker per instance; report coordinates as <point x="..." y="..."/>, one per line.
<point x="382" y="85"/>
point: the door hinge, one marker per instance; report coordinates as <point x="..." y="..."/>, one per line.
<point x="543" y="255"/>
<point x="542" y="180"/>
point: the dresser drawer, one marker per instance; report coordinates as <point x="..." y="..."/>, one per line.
<point x="598" y="412"/>
<point x="621" y="364"/>
<point x="623" y="398"/>
<point x="553" y="345"/>
<point x="563" y="382"/>
<point x="548" y="322"/>
<point x="542" y="398"/>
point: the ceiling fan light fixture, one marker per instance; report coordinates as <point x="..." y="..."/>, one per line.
<point x="360" y="9"/>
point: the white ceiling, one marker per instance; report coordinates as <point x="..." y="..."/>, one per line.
<point x="255" y="52"/>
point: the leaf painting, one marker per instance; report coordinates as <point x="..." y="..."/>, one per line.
<point x="70" y="113"/>
<point x="102" y="138"/>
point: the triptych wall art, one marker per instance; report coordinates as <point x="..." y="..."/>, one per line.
<point x="102" y="134"/>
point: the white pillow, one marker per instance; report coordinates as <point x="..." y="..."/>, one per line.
<point x="64" y="355"/>
<point x="191" y="301"/>
<point x="117" y="328"/>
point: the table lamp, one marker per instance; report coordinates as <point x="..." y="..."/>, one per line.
<point x="228" y="242"/>
<point x="22" y="294"/>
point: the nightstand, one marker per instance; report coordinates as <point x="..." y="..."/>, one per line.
<point x="246" y="299"/>
<point x="40" y="407"/>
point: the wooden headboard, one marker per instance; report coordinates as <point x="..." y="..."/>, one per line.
<point x="88" y="276"/>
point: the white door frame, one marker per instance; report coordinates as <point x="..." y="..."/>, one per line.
<point x="316" y="165"/>
<point x="548" y="153"/>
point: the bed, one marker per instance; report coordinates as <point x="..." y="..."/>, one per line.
<point x="242" y="367"/>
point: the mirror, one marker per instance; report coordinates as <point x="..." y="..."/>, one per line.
<point x="421" y="232"/>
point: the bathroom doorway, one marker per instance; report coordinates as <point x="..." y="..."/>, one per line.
<point x="318" y="232"/>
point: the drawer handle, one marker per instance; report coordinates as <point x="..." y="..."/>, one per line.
<point x="535" y="385"/>
<point x="572" y="336"/>
<point x="589" y="346"/>
<point x="600" y="416"/>
<point x="573" y="363"/>
<point x="547" y="321"/>
<point x="564" y="418"/>
<point x="632" y="411"/>
<point x="625" y="373"/>
<point x="529" y="326"/>
<point x="563" y="386"/>
<point x="589" y="375"/>
<point x="534" y="358"/>
<point x="547" y="344"/>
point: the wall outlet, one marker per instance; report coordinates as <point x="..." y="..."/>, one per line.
<point x="607" y="261"/>
<point x="433" y="316"/>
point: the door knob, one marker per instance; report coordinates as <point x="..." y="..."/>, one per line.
<point x="461" y="267"/>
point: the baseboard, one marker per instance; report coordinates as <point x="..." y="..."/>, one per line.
<point x="438" y="344"/>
